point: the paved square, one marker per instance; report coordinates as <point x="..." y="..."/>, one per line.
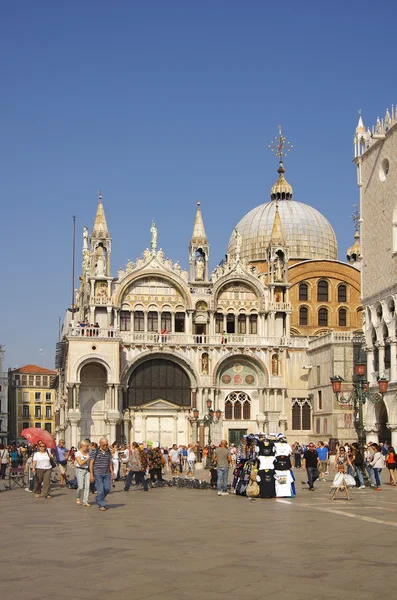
<point x="182" y="544"/>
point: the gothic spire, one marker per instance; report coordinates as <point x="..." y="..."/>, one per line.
<point x="100" y="226"/>
<point x="277" y="236"/>
<point x="198" y="236"/>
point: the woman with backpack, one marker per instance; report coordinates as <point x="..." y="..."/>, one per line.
<point x="391" y="464"/>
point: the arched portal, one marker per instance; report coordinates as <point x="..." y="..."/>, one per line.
<point x="93" y="381"/>
<point x="159" y="379"/>
<point x="384" y="432"/>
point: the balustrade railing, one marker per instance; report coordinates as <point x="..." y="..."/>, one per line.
<point x="92" y="332"/>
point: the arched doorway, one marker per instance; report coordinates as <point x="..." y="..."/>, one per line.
<point x="384" y="433"/>
<point x="158" y="389"/>
<point x="93" y="380"/>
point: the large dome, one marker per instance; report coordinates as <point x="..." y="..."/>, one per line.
<point x="307" y="232"/>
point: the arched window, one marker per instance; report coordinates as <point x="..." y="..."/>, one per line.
<point x="342" y="317"/>
<point x="322" y="291"/>
<point x="228" y="410"/>
<point x="253" y="324"/>
<point x="152" y="321"/>
<point x="304" y="292"/>
<point x="218" y="323"/>
<point x="242" y="324"/>
<point x="166" y="321"/>
<point x="125" y="320"/>
<point x="158" y="378"/>
<point x="323" y="317"/>
<point x="306" y="417"/>
<point x="296" y="416"/>
<point x="237" y="406"/>
<point x="237" y="410"/>
<point x="303" y="315"/>
<point x="342" y="293"/>
<point x="246" y="410"/>
<point x="139" y="321"/>
<point x="179" y="322"/>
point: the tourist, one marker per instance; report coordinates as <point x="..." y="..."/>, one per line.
<point x="124" y="455"/>
<point x="137" y="466"/>
<point x="101" y="471"/>
<point x="391" y="465"/>
<point x="310" y="463"/>
<point x="156" y="462"/>
<point x="221" y="457"/>
<point x="358" y="464"/>
<point x="297" y="455"/>
<point x="368" y="456"/>
<point x="377" y="463"/>
<point x="14" y="456"/>
<point x="62" y="455"/>
<point x="41" y="468"/>
<point x="322" y="453"/>
<point x="233" y="454"/>
<point x="190" y="461"/>
<point x="342" y="461"/>
<point x="174" y="458"/>
<point x="93" y="447"/>
<point x="4" y="460"/>
<point x="116" y="460"/>
<point x="82" y="463"/>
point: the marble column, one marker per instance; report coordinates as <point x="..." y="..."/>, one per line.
<point x="370" y="365"/>
<point x="393" y="429"/>
<point x="393" y="361"/>
<point x="371" y="434"/>
<point x="381" y="349"/>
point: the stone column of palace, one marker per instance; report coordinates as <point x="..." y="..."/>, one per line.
<point x="74" y="420"/>
<point x="371" y="434"/>
<point x="370" y="365"/>
<point x="393" y="361"/>
<point x="194" y="431"/>
<point x="381" y="350"/>
<point x="393" y="429"/>
<point x="126" y="425"/>
<point x="175" y="430"/>
<point x="183" y="427"/>
<point x="112" y="422"/>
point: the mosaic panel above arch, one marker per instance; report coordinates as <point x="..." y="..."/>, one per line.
<point x="238" y="373"/>
<point x="237" y="295"/>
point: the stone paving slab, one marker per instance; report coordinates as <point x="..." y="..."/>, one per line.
<point x="183" y="544"/>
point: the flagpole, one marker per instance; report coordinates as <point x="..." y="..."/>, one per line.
<point x="73" y="262"/>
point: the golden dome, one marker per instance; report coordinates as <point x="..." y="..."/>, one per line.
<point x="354" y="252"/>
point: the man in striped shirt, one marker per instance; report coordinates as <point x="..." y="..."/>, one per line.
<point x="101" y="471"/>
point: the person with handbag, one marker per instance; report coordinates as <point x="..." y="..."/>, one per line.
<point x="62" y="455"/>
<point x="82" y="463"/>
<point x="4" y="460"/>
<point x="42" y="465"/>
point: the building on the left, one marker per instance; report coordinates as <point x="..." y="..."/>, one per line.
<point x="3" y="400"/>
<point x="31" y="399"/>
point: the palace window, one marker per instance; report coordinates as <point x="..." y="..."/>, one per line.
<point x="38" y="380"/>
<point x="237" y="406"/>
<point x="387" y="356"/>
<point x="241" y="324"/>
<point x="303" y="315"/>
<point x="323" y="317"/>
<point x="37" y="396"/>
<point x="342" y="317"/>
<point x="48" y="414"/>
<point x="48" y="397"/>
<point x="152" y="321"/>
<point x="304" y="292"/>
<point x="230" y="323"/>
<point x="48" y="427"/>
<point x="301" y="414"/>
<point x="139" y="321"/>
<point x="25" y="410"/>
<point x="320" y="400"/>
<point x="322" y="291"/>
<point x="37" y="412"/>
<point x="37" y="425"/>
<point x="25" y="424"/>
<point x="342" y="293"/>
<point x="45" y="380"/>
<point x="125" y="320"/>
<point x="253" y="324"/>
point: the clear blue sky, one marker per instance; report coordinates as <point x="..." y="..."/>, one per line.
<point x="159" y="103"/>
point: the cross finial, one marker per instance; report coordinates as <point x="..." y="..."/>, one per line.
<point x="280" y="146"/>
<point x="355" y="217"/>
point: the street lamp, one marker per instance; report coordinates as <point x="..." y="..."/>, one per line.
<point x="212" y="417"/>
<point x="359" y="395"/>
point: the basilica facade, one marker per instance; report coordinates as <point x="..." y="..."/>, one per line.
<point x="171" y="355"/>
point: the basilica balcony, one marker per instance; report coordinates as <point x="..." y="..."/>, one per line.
<point x="186" y="339"/>
<point x="92" y="332"/>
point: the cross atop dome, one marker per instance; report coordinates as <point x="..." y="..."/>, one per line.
<point x="281" y="190"/>
<point x="280" y="146"/>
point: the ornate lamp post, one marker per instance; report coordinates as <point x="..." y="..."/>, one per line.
<point x="208" y="420"/>
<point x="359" y="395"/>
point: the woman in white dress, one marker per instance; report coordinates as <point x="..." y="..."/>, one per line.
<point x="116" y="460"/>
<point x="82" y="463"/>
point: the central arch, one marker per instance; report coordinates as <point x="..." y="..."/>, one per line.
<point x="159" y="379"/>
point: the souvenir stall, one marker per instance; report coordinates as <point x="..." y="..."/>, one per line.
<point x="264" y="467"/>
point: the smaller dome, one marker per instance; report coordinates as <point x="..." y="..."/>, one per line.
<point x="281" y="190"/>
<point x="354" y="252"/>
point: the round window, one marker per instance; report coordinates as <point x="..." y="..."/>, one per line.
<point x="384" y="169"/>
<point x="93" y="347"/>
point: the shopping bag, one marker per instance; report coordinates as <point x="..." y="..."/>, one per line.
<point x="350" y="481"/>
<point x="338" y="480"/>
<point x="252" y="489"/>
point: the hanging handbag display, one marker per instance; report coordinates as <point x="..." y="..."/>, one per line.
<point x="253" y="489"/>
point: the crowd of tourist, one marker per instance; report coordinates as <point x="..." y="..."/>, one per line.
<point x="95" y="467"/>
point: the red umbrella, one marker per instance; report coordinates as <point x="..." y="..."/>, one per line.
<point x="35" y="435"/>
